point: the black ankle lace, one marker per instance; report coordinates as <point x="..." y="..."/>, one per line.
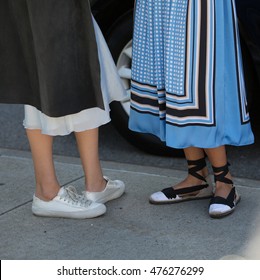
<point x="223" y="171"/>
<point x="198" y="165"/>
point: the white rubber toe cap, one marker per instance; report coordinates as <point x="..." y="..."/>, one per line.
<point x="218" y="209"/>
<point x="158" y="197"/>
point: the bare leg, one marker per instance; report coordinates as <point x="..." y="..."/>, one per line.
<point x="218" y="158"/>
<point x="192" y="154"/>
<point x="88" y="148"/>
<point x="47" y="185"/>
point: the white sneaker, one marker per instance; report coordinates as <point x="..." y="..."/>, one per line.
<point x="114" y="189"/>
<point x="67" y="204"/>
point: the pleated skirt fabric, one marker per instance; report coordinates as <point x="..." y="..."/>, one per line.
<point x="187" y="74"/>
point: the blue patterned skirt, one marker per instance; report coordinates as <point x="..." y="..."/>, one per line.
<point x="187" y="75"/>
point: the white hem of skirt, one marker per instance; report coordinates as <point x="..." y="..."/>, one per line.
<point x="84" y="120"/>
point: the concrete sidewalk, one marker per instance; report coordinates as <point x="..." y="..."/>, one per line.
<point x="132" y="228"/>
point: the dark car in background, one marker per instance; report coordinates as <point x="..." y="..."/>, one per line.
<point x="115" y="18"/>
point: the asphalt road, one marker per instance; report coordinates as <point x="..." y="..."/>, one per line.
<point x="245" y="161"/>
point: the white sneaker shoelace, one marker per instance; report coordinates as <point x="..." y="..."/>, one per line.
<point x="71" y="196"/>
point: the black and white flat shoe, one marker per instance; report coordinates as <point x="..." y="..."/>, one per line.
<point x="220" y="207"/>
<point x="171" y="195"/>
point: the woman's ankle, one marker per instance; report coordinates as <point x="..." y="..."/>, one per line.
<point x="97" y="185"/>
<point x="222" y="189"/>
<point x="46" y="192"/>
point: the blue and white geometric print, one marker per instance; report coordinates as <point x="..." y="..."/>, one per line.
<point x="187" y="72"/>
